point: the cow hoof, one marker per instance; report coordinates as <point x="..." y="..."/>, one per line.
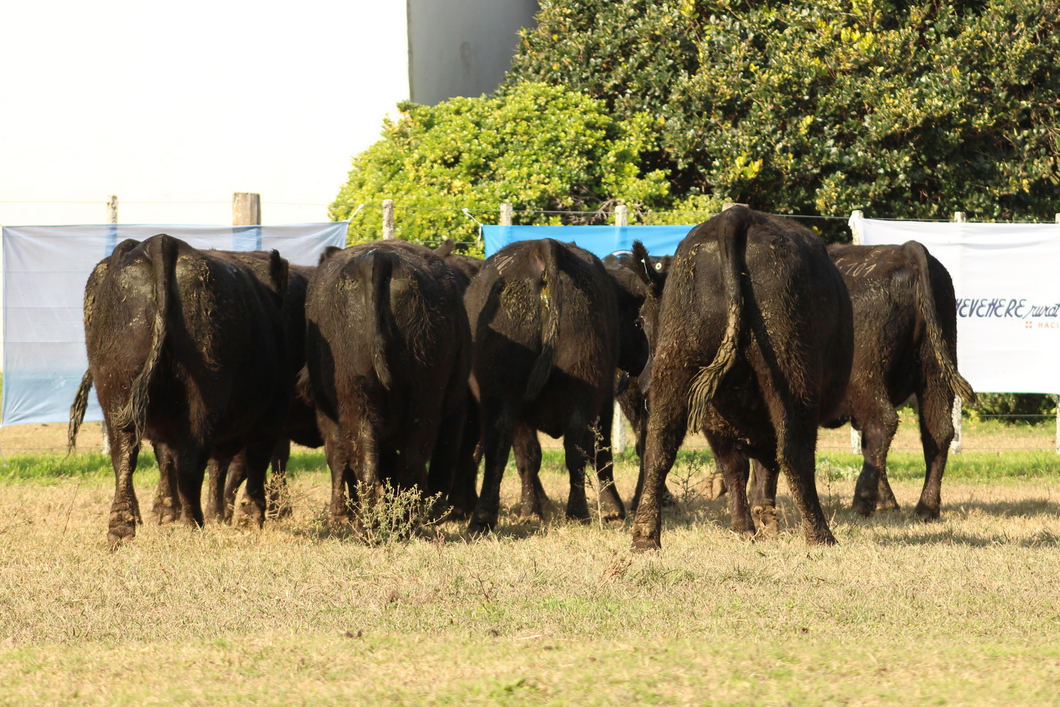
<point x="744" y="530"/>
<point x="252" y="514"/>
<point x="765" y="519"/>
<point x="480" y="526"/>
<point x="531" y="517"/>
<point x="458" y="514"/>
<point x="821" y="538"/>
<point x="119" y="534"/>
<point x="646" y="544"/>
<point x="888" y="505"/>
<point x="164" y="514"/>
<point x="614" y="516"/>
<point x="579" y="515"/>
<point x="863" y="507"/>
<point x="927" y="514"/>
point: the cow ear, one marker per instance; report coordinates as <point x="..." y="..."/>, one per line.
<point x="642" y="266"/>
<point x="328" y="253"/>
<point x="278" y="271"/>
<point x="446" y="248"/>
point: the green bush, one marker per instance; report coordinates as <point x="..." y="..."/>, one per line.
<point x="539" y="147"/>
<point x="1023" y="408"/>
<point x="902" y="109"/>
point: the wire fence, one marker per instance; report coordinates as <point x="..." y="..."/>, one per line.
<point x="1032" y="432"/>
<point x="981" y="433"/>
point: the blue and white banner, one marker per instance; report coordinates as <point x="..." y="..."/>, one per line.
<point x="45" y="270"/>
<point x="1008" y="296"/>
<point x="601" y="241"/>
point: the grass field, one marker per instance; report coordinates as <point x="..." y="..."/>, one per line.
<point x="964" y="611"/>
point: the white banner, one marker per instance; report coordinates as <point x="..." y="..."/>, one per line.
<point x="45" y="270"/>
<point x="1008" y="296"/>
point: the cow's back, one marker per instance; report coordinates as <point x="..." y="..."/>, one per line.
<point x="509" y="306"/>
<point x="797" y="317"/>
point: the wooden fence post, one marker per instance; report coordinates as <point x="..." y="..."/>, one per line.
<point x="112" y="218"/>
<point x="506" y="214"/>
<point x="246" y="209"/>
<point x="618" y="420"/>
<point x="388" y="219"/>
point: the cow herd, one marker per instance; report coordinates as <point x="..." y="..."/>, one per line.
<point x="411" y="366"/>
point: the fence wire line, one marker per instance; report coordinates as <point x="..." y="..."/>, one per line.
<point x="551" y="212"/>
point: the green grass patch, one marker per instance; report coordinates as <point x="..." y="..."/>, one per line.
<point x="981" y="465"/>
<point x="56" y="466"/>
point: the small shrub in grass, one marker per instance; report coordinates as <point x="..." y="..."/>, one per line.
<point x="686" y="480"/>
<point x="831" y="471"/>
<point x="387" y="514"/>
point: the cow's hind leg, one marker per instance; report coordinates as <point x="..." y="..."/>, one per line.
<point x="279" y="500"/>
<point x="936" y="433"/>
<point x="528" y="462"/>
<point x="611" y="502"/>
<point x="735" y="468"/>
<point x="796" y="442"/>
<point x="578" y="444"/>
<point x="337" y="452"/>
<point x="872" y="492"/>
<point x="256" y="458"/>
<point x="124" y="509"/>
<point x="497" y="425"/>
<point x="217" y="472"/>
<point x="666" y="427"/>
<point x="464" y="493"/>
<point x="764" y="506"/>
<point x="166" y="508"/>
<point x="191" y="468"/>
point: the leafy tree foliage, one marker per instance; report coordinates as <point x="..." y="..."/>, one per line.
<point x="911" y="109"/>
<point x="1020" y="408"/>
<point x="540" y="147"/>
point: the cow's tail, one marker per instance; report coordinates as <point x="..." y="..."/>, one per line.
<point x="77" y="410"/>
<point x="378" y="309"/>
<point x="546" y="252"/>
<point x="162" y="252"/>
<point x="925" y="299"/>
<point x="732" y="248"/>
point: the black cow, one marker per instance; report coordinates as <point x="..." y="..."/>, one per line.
<point x="623" y="266"/>
<point x="905" y="343"/>
<point x="752" y="344"/>
<point x="464" y="494"/>
<point x="387" y="355"/>
<point x="301" y="424"/>
<point x="186" y="348"/>
<point x="547" y="343"/>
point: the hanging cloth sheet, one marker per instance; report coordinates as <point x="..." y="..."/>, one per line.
<point x="1008" y="296"/>
<point x="45" y="269"/>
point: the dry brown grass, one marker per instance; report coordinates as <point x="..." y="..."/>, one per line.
<point x="963" y="611"/>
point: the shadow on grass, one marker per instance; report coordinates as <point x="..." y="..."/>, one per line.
<point x="933" y="535"/>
